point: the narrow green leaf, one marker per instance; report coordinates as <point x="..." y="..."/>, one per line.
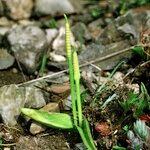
<point x="43" y="64"/>
<point x="87" y="133"/>
<point x="85" y="141"/>
<point x="50" y="119"/>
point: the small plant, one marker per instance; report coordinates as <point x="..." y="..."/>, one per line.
<point x="96" y="13"/>
<point x="137" y="102"/>
<point x="139" y="136"/>
<point x="61" y="120"/>
<point x="139" y="50"/>
<point x="141" y="130"/>
<point x="127" y="4"/>
<point x="52" y="23"/>
<point x="142" y="52"/>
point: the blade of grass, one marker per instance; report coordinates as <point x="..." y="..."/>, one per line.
<point x="102" y="87"/>
<point x="43" y="64"/>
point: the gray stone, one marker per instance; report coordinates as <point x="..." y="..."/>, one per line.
<point x="28" y="44"/>
<point x="128" y="29"/>
<point x="6" y="60"/>
<point x="129" y="26"/>
<point x="80" y="32"/>
<point x="5" y="22"/>
<point x="12" y="98"/>
<point x="95" y="27"/>
<point x="95" y="51"/>
<point x="5" y="26"/>
<point x="51" y="34"/>
<point x="53" y="7"/>
<point x="121" y="34"/>
<point x="18" y="9"/>
<point x="58" y="44"/>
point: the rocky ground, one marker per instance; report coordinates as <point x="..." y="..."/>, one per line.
<point x="33" y="71"/>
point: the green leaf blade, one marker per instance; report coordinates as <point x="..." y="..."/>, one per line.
<point x="87" y="133"/>
<point x="56" y="120"/>
<point x="84" y="139"/>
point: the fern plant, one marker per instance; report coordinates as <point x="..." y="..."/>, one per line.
<point x="61" y="120"/>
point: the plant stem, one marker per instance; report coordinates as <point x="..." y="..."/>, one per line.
<point x="71" y="71"/>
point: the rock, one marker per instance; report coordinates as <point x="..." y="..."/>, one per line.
<point x="5" y="22"/>
<point x="5" y="26"/>
<point x="128" y="29"/>
<point x="85" y="18"/>
<point x="128" y="26"/>
<point x="12" y="98"/>
<point x="121" y="34"/>
<point x="7" y="148"/>
<point x="53" y="8"/>
<point x="80" y="146"/>
<point x="59" y="89"/>
<point x="80" y="32"/>
<point x="95" y="51"/>
<point x="57" y="65"/>
<point x="58" y="44"/>
<point x="95" y="27"/>
<point x="34" y="97"/>
<point x="6" y="60"/>
<point x="35" y="127"/>
<point x="58" y="79"/>
<point x="51" y="34"/>
<point x="3" y="31"/>
<point x="26" y="22"/>
<point x="18" y="9"/>
<point x="56" y="58"/>
<point x="28" y="44"/>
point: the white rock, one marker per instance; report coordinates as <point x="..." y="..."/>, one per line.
<point x="51" y="34"/>
<point x="18" y="9"/>
<point x="58" y="44"/>
<point x="118" y="76"/>
<point x="28" y="44"/>
<point x="12" y="98"/>
<point x="57" y="58"/>
<point x="53" y="7"/>
<point x="6" y="60"/>
<point x="134" y="87"/>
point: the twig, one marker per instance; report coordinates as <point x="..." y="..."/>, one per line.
<point x="11" y="144"/>
<point x="82" y="65"/>
<point x="41" y="78"/>
<point x="141" y="65"/>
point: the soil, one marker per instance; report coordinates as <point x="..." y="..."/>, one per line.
<point x="10" y="77"/>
